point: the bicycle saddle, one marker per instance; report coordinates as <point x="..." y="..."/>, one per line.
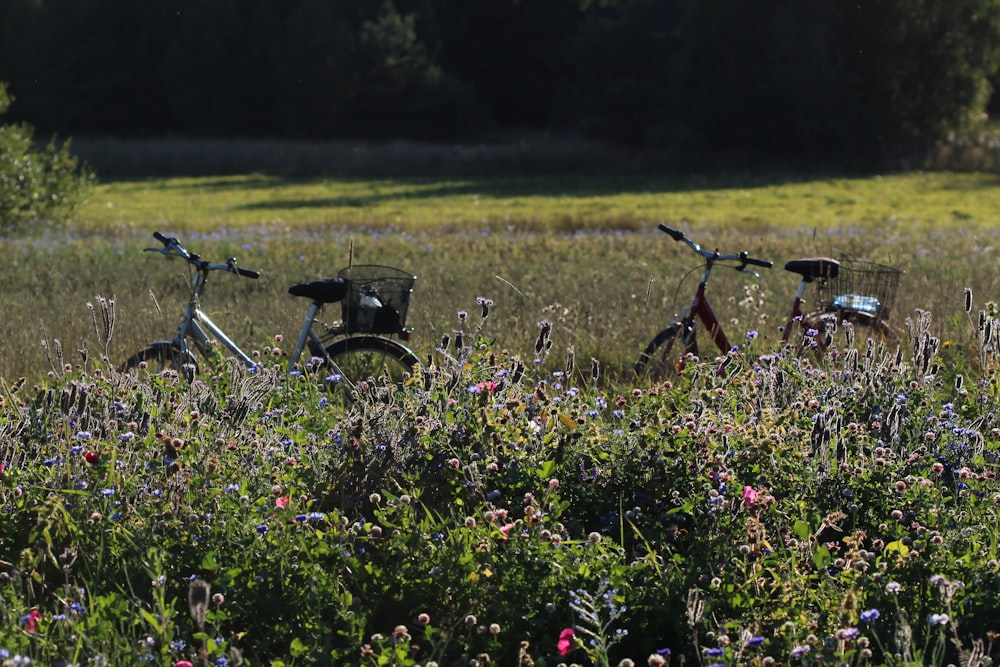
<point x="811" y="268"/>
<point x="330" y="290"/>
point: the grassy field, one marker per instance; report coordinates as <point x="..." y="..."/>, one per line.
<point x="579" y="250"/>
<point x="889" y="206"/>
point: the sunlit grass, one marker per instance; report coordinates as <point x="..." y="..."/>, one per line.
<point x="897" y="204"/>
<point x="515" y="240"/>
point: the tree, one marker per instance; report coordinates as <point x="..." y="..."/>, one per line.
<point x="36" y="185"/>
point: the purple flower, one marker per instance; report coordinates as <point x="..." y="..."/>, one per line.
<point x="800" y="650"/>
<point x="262" y="529"/>
<point x="870" y="615"/>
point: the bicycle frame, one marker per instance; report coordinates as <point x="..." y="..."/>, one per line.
<point x="192" y="328"/>
<point x="795" y="314"/>
<point x="701" y="309"/>
<point x="198" y="333"/>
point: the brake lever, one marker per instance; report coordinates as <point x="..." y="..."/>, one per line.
<point x="742" y="268"/>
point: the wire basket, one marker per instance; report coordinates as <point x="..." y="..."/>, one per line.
<point x="860" y="286"/>
<point x="377" y="298"/>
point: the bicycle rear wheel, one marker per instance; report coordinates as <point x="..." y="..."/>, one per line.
<point x="663" y="358"/>
<point x="159" y="357"/>
<point x="361" y="358"/>
<point x="865" y="326"/>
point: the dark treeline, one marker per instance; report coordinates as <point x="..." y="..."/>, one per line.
<point x="782" y="77"/>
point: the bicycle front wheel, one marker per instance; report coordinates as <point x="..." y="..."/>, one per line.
<point x="363" y="358"/>
<point x="159" y="357"/>
<point x="663" y="358"/>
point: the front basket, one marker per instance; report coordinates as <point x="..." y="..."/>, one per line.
<point x="377" y="299"/>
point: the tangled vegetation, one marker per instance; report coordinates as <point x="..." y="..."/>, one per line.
<point x="507" y="510"/>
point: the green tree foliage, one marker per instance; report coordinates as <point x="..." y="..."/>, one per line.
<point x="781" y="77"/>
<point x="922" y="66"/>
<point x="36" y="185"/>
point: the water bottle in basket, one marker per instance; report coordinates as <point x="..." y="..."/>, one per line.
<point x="368" y="306"/>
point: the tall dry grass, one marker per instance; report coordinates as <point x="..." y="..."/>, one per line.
<point x="606" y="293"/>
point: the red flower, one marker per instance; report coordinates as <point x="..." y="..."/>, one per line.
<point x="30" y="620"/>
<point x="92" y="457"/>
<point x="565" y="643"/>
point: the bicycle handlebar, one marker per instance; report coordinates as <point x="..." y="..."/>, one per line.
<point x="743" y="258"/>
<point x="171" y="246"/>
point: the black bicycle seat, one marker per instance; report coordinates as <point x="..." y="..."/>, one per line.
<point x="814" y="267"/>
<point x="330" y="290"/>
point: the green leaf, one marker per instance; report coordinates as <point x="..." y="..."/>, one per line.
<point x="546" y="469"/>
<point x="208" y="561"/>
<point x="297" y="648"/>
<point x="821" y="557"/>
<point x="802" y="530"/>
<point x="899" y="548"/>
<point x="567" y="421"/>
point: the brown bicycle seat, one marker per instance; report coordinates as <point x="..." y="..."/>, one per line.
<point x="330" y="290"/>
<point x="811" y="268"/>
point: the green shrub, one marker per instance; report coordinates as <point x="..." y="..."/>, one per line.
<point x="36" y="185"/>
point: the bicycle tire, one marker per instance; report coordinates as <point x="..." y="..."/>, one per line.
<point x="159" y="357"/>
<point x="661" y="360"/>
<point x="361" y="358"/>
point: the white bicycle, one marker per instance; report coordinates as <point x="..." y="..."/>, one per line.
<point x="359" y="346"/>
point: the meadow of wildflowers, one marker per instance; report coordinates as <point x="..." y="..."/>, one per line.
<point x="510" y="509"/>
<point x="522" y="500"/>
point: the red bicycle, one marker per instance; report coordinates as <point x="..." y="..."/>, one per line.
<point x="860" y="293"/>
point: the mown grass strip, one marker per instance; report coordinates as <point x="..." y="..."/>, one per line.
<point x="899" y="203"/>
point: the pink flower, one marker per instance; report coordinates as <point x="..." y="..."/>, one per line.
<point x="749" y="496"/>
<point x="506" y="528"/>
<point x="281" y="503"/>
<point x="30" y="620"/>
<point x="565" y="643"/>
<point x="183" y="663"/>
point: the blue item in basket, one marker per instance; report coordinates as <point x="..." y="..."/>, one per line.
<point x="857" y="302"/>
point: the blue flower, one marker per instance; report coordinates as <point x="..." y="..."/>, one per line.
<point x="262" y="529"/>
<point x="869" y="615"/>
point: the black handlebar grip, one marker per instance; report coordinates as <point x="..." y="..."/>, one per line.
<point x="758" y="262"/>
<point x="161" y="238"/>
<point x="677" y="235"/>
<point x="247" y="273"/>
